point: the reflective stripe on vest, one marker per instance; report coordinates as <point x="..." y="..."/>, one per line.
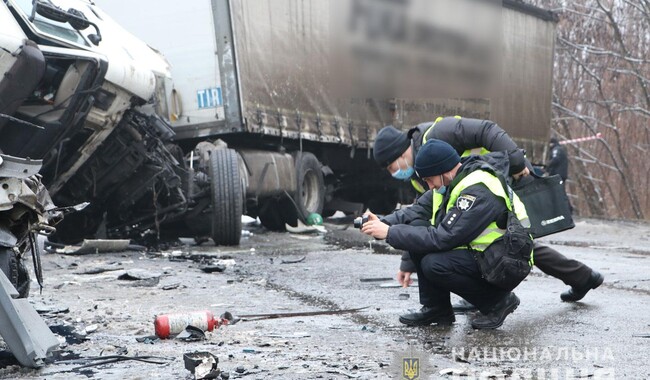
<point x="492" y="232"/>
<point x="466" y="152"/>
<point x="424" y="135"/>
<point x="417" y="186"/>
<point x="437" y="202"/>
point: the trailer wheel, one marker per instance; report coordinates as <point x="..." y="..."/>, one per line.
<point x="227" y="198"/>
<point x="15" y="271"/>
<point x="310" y="194"/>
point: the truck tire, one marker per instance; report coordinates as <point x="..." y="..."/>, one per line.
<point x="310" y="194"/>
<point x="227" y="197"/>
<point x="15" y="271"/>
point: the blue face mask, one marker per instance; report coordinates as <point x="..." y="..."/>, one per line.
<point x="443" y="189"/>
<point x="404" y="174"/>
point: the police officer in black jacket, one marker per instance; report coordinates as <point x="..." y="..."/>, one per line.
<point x="395" y="150"/>
<point x="467" y="210"/>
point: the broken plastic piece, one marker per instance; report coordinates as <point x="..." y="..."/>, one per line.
<point x="203" y="365"/>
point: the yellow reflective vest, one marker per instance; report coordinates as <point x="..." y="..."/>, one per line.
<point x="492" y="232"/>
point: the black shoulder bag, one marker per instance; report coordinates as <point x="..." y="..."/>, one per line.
<point x="506" y="262"/>
<point x="546" y="203"/>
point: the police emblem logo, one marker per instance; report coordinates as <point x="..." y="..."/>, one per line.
<point x="411" y="368"/>
<point x="465" y="202"/>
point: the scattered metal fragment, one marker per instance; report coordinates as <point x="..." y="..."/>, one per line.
<point x="213" y="268"/>
<point x="404" y="296"/>
<point x="101" y="269"/>
<point x="138" y="274"/>
<point x="51" y="310"/>
<point x="95" y="246"/>
<point x="641" y="335"/>
<point x="140" y="278"/>
<point x="171" y="286"/>
<point x="378" y="279"/>
<point x="101" y="360"/>
<point x="149" y="339"/>
<point x="296" y="261"/>
<point x="254" y="317"/>
<point x="203" y="365"/>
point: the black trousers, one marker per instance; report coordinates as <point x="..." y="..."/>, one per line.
<point x="553" y="263"/>
<point x="456" y="271"/>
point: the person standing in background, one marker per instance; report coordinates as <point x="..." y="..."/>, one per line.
<point x="558" y="163"/>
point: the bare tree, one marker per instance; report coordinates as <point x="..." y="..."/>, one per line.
<point x="601" y="77"/>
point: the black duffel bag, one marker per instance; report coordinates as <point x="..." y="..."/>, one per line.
<point x="546" y="203"/>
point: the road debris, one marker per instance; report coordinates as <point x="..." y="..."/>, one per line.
<point x="69" y="333"/>
<point x="217" y="268"/>
<point x="101" y="360"/>
<point x="377" y="279"/>
<point x="294" y="261"/>
<point x="203" y="365"/>
<point x="191" y="334"/>
<point x="102" y="268"/>
<point x="255" y="317"/>
<point x="302" y="228"/>
<point x="167" y="325"/>
<point x="93" y="246"/>
<point x="138" y="274"/>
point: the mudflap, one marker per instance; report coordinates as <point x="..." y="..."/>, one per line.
<point x="23" y="330"/>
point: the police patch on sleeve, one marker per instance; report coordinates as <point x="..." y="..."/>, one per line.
<point x="465" y="202"/>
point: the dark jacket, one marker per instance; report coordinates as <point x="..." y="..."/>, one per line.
<point x="466" y="134"/>
<point x="453" y="229"/>
<point x="558" y="162"/>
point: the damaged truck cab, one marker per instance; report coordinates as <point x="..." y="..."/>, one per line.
<point x="97" y="92"/>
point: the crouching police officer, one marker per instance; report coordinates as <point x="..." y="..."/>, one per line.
<point x="467" y="212"/>
<point x="396" y="150"/>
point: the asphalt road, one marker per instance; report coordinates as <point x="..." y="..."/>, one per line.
<point x="607" y="335"/>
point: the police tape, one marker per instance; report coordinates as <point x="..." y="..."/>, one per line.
<point x="581" y="139"/>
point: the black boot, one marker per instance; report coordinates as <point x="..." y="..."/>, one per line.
<point x="428" y="315"/>
<point x="576" y="294"/>
<point x="463" y="306"/>
<point x="498" y="314"/>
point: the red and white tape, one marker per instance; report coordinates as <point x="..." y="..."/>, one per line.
<point x="581" y="139"/>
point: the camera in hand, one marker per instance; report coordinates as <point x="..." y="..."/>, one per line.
<point x="358" y="222"/>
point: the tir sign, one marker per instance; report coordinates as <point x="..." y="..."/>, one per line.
<point x="209" y="98"/>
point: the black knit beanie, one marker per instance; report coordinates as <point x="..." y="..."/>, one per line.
<point x="436" y="157"/>
<point x="390" y="143"/>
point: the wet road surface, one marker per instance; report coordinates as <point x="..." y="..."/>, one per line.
<point x="604" y="336"/>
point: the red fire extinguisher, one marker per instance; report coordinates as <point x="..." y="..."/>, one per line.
<point x="167" y="325"/>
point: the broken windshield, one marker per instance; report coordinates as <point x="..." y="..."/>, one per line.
<point x="51" y="28"/>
